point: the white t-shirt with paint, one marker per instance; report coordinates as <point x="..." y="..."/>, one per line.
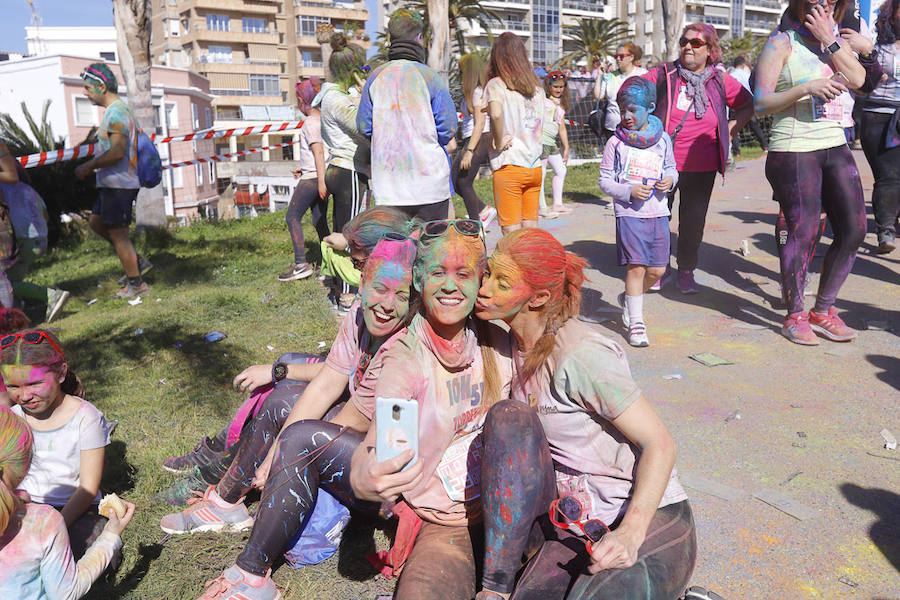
<point x="523" y="119"/>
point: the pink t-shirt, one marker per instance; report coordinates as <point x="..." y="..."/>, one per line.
<point x="36" y="560"/>
<point x="584" y="384"/>
<point x="697" y="145"/>
<point x="447" y="380"/>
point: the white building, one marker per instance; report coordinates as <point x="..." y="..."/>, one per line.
<point x="90" y="42"/>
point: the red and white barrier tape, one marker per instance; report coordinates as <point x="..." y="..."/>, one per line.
<point x="48" y="158"/>
<point x="230" y="155"/>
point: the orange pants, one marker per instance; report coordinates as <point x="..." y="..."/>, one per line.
<point x="517" y="191"/>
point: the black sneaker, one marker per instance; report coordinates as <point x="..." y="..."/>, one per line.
<point x="296" y="271"/>
<point x="202" y="454"/>
<point x="144" y="265"/>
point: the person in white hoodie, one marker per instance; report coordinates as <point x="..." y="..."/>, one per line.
<point x="347" y="175"/>
<point x="407" y="112"/>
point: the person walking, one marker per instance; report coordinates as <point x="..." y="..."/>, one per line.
<point x="741" y="71"/>
<point x="117" y="177"/>
<point x="691" y="100"/>
<point x="606" y="86"/>
<point x="881" y="128"/>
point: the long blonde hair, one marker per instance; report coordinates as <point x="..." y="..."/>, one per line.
<point x="16" y="441"/>
<point x="473" y="71"/>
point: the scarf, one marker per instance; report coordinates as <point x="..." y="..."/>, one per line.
<point x="696" y="86"/>
<point x="406" y="50"/>
<point x="641" y="139"/>
<point x="452" y="355"/>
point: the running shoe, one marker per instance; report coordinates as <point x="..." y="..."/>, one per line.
<point x="130" y="291"/>
<point x="296" y="271"/>
<point x="695" y="592"/>
<point x="548" y="214"/>
<point x="182" y="490"/>
<point x="686" y="283"/>
<point x="656" y="286"/>
<point x="202" y="454"/>
<point x="56" y="299"/>
<point x="796" y="328"/>
<point x="205" y="515"/>
<point x="626" y="318"/>
<point x="144" y="265"/>
<point x="831" y="326"/>
<point x="562" y="209"/>
<point x="487" y="216"/>
<point x="232" y="585"/>
<point x="886" y="245"/>
<point x="637" y="335"/>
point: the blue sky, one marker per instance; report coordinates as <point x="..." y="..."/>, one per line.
<point x="56" y="13"/>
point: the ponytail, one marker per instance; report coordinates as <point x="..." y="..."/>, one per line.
<point x="72" y="384"/>
<point x="16" y="441"/>
<point x="490" y="370"/>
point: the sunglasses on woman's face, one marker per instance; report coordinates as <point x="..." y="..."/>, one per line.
<point x="566" y="512"/>
<point x="693" y="43"/>
<point x="622" y="56"/>
<point x="822" y="2"/>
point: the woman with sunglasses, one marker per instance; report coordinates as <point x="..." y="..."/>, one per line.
<point x="347" y="175"/>
<point x="516" y="107"/>
<point x="582" y="429"/>
<point x="628" y="58"/>
<point x="291" y="481"/>
<point x="70" y="434"/>
<point x="801" y="74"/>
<point x="691" y="100"/>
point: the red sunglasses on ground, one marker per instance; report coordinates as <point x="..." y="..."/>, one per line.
<point x="566" y="512"/>
<point x="29" y="337"/>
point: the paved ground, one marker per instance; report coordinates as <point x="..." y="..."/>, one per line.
<point x="809" y="418"/>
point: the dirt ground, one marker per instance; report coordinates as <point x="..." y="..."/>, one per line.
<point x="802" y="422"/>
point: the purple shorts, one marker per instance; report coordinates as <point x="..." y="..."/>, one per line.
<point x="642" y="241"/>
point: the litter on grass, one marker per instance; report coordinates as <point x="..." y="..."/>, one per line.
<point x="710" y="360"/>
<point x="138" y="331"/>
<point x="91" y="301"/>
<point x="214" y="336"/>
<point x="270" y="347"/>
<point x="135" y="301"/>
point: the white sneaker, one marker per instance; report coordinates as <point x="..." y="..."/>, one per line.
<point x="487" y="216"/>
<point x="548" y="214"/>
<point x="637" y="335"/>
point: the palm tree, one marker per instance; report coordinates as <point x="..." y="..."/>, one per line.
<point x="748" y="44"/>
<point x="597" y="38"/>
<point x="132" y="20"/>
<point x="470" y="11"/>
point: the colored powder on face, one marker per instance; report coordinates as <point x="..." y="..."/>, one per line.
<point x="506" y="288"/>
<point x="21" y="375"/>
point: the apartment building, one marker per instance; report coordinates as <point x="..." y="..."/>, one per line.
<point x="546" y="26"/>
<point x="730" y="19"/>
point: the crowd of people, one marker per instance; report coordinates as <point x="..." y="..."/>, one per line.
<point x="531" y="465"/>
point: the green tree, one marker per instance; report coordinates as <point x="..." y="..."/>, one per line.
<point x="597" y="38"/>
<point x="56" y="183"/>
<point x="748" y="44"/>
<point x="470" y="11"/>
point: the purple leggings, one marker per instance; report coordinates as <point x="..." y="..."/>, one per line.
<point x="805" y="184"/>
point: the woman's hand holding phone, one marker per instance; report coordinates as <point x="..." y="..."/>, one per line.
<point x="383" y="481"/>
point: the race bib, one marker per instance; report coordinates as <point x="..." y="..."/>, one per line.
<point x="571" y="484"/>
<point x="836" y="110"/>
<point x="460" y="468"/>
<point x="641" y="165"/>
<point x="683" y="103"/>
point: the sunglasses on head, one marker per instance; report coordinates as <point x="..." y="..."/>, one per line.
<point x="29" y="337"/>
<point x="622" y="56"/>
<point x="566" y="512"/>
<point x="469" y="227"/>
<point x="556" y="75"/>
<point x="693" y="42"/>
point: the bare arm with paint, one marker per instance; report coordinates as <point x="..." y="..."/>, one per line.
<point x="821" y="24"/>
<point x="90" y="472"/>
<point x="8" y="172"/>
<point x="642" y="426"/>
<point x="118" y="146"/>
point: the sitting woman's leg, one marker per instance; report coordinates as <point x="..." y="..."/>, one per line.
<point x="309" y="454"/>
<point x="517" y="486"/>
<point x="442" y="564"/>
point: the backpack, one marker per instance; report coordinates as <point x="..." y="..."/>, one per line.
<point x="149" y="165"/>
<point x="321" y="536"/>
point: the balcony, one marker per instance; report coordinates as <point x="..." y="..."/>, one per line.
<point x="201" y="33"/>
<point x="509" y="4"/>
<point x="332" y="4"/>
<point x="708" y="19"/>
<point x="770" y="6"/>
<point x="261" y="7"/>
<point x="337" y="10"/>
<point x="598" y="6"/>
<point x="760" y="24"/>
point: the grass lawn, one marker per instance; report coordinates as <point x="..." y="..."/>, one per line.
<point x="149" y="367"/>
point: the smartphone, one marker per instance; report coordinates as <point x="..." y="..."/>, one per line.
<point x="840" y="78"/>
<point x="396" y="428"/>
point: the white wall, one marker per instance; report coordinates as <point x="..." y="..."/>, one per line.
<point x="34" y="80"/>
<point x="71" y="41"/>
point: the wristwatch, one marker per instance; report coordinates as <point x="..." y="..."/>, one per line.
<point x="833" y="47"/>
<point x="279" y="371"/>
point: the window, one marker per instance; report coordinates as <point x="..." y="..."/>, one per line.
<point x="250" y="25"/>
<point x="264" y="85"/>
<point x="108" y="56"/>
<point x="306" y="25"/>
<point x="220" y="54"/>
<point x="207" y="122"/>
<point x="174" y="27"/>
<point x="171" y="116"/>
<point x="212" y="171"/>
<point x="195" y="115"/>
<point x="649" y="48"/>
<point x="310" y="58"/>
<point x="198" y="173"/>
<point x="85" y="115"/>
<point x="177" y="178"/>
<point x="218" y="23"/>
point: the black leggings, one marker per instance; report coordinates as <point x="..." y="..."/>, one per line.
<point x="885" y="165"/>
<point x="694" y="191"/>
<point x="805" y="184"/>
<point x="309" y="454"/>
<point x="518" y="484"/>
<point x="463" y="180"/>
<point x="348" y="192"/>
<point x="427" y="212"/>
<point x="306" y="196"/>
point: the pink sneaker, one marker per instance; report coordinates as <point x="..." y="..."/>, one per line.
<point x="831" y="326"/>
<point x="232" y="584"/>
<point x="796" y="328"/>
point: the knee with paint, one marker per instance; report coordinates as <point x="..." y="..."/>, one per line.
<point x="510" y="419"/>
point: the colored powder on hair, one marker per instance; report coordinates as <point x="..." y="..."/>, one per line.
<point x="405" y="25"/>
